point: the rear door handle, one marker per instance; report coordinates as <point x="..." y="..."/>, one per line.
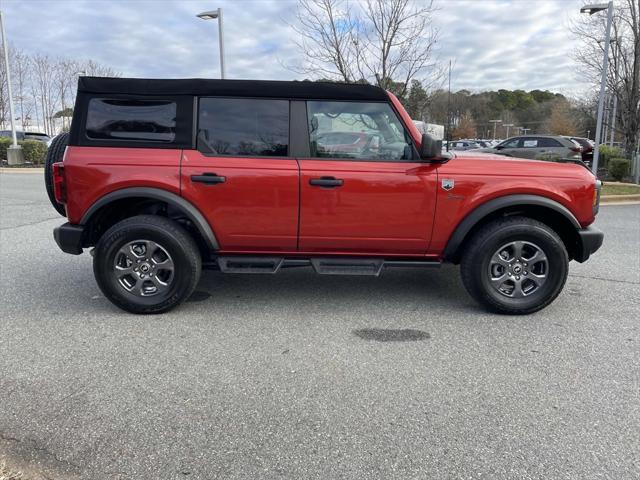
<point x="326" y="182"/>
<point x="208" y="178"/>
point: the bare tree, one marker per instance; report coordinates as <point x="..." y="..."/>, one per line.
<point x="21" y="76"/>
<point x="386" y="42"/>
<point x="623" y="75"/>
<point x="44" y="70"/>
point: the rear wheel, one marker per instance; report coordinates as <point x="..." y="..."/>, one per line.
<point x="54" y="155"/>
<point x="515" y="265"/>
<point x="147" y="264"/>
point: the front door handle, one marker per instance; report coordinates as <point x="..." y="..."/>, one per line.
<point x="208" y="178"/>
<point x="326" y="182"/>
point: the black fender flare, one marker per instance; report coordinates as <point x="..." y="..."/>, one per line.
<point x="176" y="201"/>
<point x="482" y="211"/>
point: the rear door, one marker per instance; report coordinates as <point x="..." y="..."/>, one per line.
<point x="369" y="196"/>
<point x="242" y="177"/>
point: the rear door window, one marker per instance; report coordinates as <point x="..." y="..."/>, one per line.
<point x="243" y="127"/>
<point x="530" y="143"/>
<point x="131" y="120"/>
<point x="548" y="142"/>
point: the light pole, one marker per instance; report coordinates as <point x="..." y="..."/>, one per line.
<point x="591" y="9"/>
<point x="212" y="15"/>
<point x="495" y="124"/>
<point x="14" y="152"/>
<point x="507" y="125"/>
<point x="524" y="130"/>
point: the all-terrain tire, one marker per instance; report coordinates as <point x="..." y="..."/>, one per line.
<point x="482" y="270"/>
<point x="157" y="236"/>
<point x="54" y="155"/>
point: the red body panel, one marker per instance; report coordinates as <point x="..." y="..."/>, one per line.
<point x="92" y="172"/>
<point x="382" y="207"/>
<point x="257" y="206"/>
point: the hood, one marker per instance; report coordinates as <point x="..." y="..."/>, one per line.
<point x="493" y="164"/>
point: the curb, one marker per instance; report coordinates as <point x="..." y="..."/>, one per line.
<point x="634" y="197"/>
<point x="39" y="170"/>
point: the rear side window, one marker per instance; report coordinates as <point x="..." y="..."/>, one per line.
<point x="530" y="143"/>
<point x="243" y="127"/>
<point x="131" y="120"/>
<point x="548" y="142"/>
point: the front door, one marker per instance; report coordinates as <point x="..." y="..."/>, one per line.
<point x="241" y="176"/>
<point x="361" y="189"/>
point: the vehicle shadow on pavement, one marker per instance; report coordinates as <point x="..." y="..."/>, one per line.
<point x="429" y="287"/>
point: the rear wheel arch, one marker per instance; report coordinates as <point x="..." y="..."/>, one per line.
<point x="543" y="209"/>
<point x="128" y="202"/>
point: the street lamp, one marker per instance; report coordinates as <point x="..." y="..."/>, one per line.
<point x="14" y="152"/>
<point x="212" y="15"/>
<point x="495" y="124"/>
<point x="591" y="9"/>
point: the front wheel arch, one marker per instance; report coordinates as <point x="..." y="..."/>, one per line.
<point x="543" y="209"/>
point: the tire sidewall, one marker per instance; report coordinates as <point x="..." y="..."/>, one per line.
<point x="55" y="154"/>
<point x="184" y="269"/>
<point x="556" y="257"/>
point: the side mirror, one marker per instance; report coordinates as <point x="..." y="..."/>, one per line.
<point x="430" y="147"/>
<point x="499" y="147"/>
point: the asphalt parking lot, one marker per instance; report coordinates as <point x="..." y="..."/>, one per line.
<point x="300" y="376"/>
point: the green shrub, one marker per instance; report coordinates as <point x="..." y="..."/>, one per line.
<point x="4" y="144"/>
<point x="619" y="167"/>
<point x="34" y="151"/>
<point x="549" y="157"/>
<point x="607" y="153"/>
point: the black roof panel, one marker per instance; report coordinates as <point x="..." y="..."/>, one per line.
<point x="237" y="88"/>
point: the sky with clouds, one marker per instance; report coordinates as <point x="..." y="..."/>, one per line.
<point x="494" y="43"/>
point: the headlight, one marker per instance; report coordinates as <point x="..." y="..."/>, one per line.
<point x="596" y="197"/>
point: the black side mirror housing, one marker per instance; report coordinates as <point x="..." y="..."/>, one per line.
<point x="430" y="147"/>
<point x="499" y="147"/>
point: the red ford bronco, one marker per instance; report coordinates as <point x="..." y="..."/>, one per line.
<point x="166" y="177"/>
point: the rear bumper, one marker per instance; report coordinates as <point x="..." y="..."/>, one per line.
<point x="589" y="241"/>
<point x="69" y="238"/>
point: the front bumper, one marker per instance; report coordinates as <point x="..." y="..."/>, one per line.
<point x="589" y="241"/>
<point x="69" y="238"/>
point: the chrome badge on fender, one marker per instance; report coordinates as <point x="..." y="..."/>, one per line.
<point x="448" y="183"/>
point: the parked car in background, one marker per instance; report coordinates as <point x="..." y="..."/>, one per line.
<point x="20" y="135"/>
<point x="534" y="146"/>
<point x="462" y="145"/>
<point x="483" y="143"/>
<point x="346" y="144"/>
<point x="587" y="149"/>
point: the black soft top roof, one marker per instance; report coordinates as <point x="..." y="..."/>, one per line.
<point x="236" y="88"/>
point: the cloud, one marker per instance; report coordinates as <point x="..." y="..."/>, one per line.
<point x="495" y="44"/>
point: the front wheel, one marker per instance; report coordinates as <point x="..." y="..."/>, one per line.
<point x="147" y="264"/>
<point x="515" y="265"/>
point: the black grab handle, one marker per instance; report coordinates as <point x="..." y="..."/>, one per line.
<point x="327" y="182"/>
<point x="208" y="178"/>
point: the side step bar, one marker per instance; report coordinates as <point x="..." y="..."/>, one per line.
<point x="321" y="265"/>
